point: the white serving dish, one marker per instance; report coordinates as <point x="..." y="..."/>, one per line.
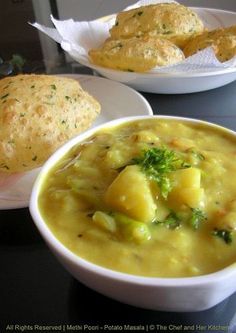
<point x="168" y="294"/>
<point x="174" y="83"/>
<point x="180" y="82"/>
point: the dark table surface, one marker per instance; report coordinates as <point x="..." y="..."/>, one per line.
<point x="36" y="291"/>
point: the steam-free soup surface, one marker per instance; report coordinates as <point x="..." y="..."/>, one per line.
<point x="153" y="197"/>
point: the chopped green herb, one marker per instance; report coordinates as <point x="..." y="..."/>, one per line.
<point x="119" y="45"/>
<point x="157" y="163"/>
<point x="117" y="23"/>
<point x="138" y="14"/>
<point x="162" y="160"/>
<point x="224" y="234"/>
<point x="4" y="96"/>
<point x="48" y="103"/>
<point x="165" y="185"/>
<point x="172" y="221"/>
<point x="167" y="32"/>
<point x="22" y="114"/>
<point x="53" y="86"/>
<point x="32" y="87"/>
<point x="197" y="217"/>
<point x="67" y="98"/>
<point x="34" y="158"/>
<point x="4" y="166"/>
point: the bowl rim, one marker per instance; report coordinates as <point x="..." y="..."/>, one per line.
<point x="86" y="265"/>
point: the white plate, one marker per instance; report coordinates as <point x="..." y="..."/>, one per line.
<point x="116" y="99"/>
<point x="180" y="82"/>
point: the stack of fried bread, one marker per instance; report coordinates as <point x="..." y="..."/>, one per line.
<point x="159" y="35"/>
<point x="148" y="36"/>
<point x="38" y="113"/>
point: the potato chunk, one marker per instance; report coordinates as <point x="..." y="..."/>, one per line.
<point x="190" y="177"/>
<point x="193" y="197"/>
<point x="187" y="188"/>
<point x="130" y="194"/>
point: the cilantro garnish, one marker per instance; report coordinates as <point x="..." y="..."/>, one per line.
<point x="224" y="234"/>
<point x="197" y="217"/>
<point x="4" y="166"/>
<point x="4" y="96"/>
<point x="157" y="163"/>
<point x="172" y="221"/>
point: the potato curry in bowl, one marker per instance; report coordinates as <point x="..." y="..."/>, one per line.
<point x="152" y="197"/>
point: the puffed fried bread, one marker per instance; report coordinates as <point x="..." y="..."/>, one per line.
<point x="38" y="113"/>
<point x="136" y="54"/>
<point x="171" y="21"/>
<point x="222" y="40"/>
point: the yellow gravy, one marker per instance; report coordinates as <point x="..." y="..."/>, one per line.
<point x="152" y="197"/>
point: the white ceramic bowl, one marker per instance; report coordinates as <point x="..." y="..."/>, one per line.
<point x="168" y="294"/>
<point x="178" y="81"/>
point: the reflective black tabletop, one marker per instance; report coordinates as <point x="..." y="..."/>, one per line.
<point x="38" y="295"/>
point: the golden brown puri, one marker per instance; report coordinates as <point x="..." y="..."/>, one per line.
<point x="38" y="113"/>
<point x="222" y="40"/>
<point x="171" y="21"/>
<point x="136" y="54"/>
